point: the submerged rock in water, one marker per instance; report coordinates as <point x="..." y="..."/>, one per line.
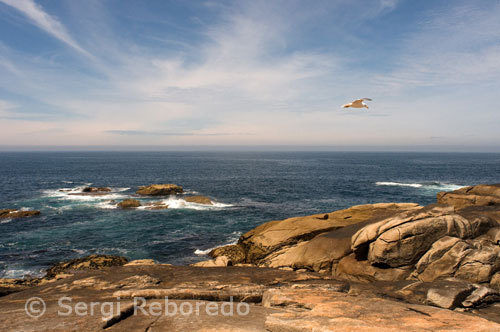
<point x="198" y="199"/>
<point x="129" y="203"/>
<point x="160" y="189"/>
<point x="92" y="262"/>
<point x="13" y="213"/>
<point x="96" y="189"/>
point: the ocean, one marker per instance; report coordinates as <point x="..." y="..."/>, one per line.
<point x="250" y="188"/>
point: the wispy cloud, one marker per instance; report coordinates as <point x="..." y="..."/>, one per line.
<point x="160" y="133"/>
<point x="44" y="21"/>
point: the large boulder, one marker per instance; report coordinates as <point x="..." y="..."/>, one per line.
<point x="160" y="190"/>
<point x="480" y="195"/>
<point x="281" y="234"/>
<point x="92" y="262"/>
<point x="473" y="260"/>
<point x="349" y="268"/>
<point x="13" y="213"/>
<point x="401" y="240"/>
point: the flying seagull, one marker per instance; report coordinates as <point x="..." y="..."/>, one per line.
<point x="358" y="103"/>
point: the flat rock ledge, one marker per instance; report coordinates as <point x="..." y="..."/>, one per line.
<point x="275" y="301"/>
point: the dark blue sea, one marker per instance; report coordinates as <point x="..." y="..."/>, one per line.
<point x="250" y="188"/>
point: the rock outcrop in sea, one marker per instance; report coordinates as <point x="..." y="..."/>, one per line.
<point x="160" y="190"/>
<point x="14" y="213"/>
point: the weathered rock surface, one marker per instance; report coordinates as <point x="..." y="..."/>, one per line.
<point x="92" y="262"/>
<point x="234" y="252"/>
<point x="274" y="235"/>
<point x="277" y="301"/>
<point x="335" y="311"/>
<point x="129" y="203"/>
<point x="220" y="261"/>
<point x="480" y="195"/>
<point x="198" y="199"/>
<point x="160" y="190"/>
<point x="349" y="268"/>
<point x="472" y="260"/>
<point x="13" y="213"/>
<point x="403" y="239"/>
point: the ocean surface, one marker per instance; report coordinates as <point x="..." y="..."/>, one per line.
<point x="250" y="188"/>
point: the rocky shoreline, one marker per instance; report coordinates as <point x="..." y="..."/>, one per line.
<point x="385" y="266"/>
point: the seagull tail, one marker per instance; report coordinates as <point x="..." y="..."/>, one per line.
<point x="346" y="106"/>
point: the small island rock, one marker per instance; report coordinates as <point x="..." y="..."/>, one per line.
<point x="160" y="189"/>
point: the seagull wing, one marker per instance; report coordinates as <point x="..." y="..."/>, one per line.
<point x="366" y="99"/>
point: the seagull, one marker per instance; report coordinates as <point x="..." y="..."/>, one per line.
<point x="358" y="103"/>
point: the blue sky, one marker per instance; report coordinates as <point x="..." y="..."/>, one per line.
<point x="249" y="72"/>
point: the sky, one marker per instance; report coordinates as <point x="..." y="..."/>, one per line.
<point x="249" y="73"/>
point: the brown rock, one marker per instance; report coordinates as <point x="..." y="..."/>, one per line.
<point x="92" y="262"/>
<point x="339" y="312"/>
<point x="495" y="281"/>
<point x="472" y="260"/>
<point x="480" y="195"/>
<point x="198" y="199"/>
<point x="12" y="213"/>
<point x="95" y="189"/>
<point x="141" y="262"/>
<point x="160" y="190"/>
<point x="349" y="268"/>
<point x="235" y="253"/>
<point x="129" y="203"/>
<point x="403" y="239"/>
<point x="274" y="235"/>
<point x="449" y="295"/>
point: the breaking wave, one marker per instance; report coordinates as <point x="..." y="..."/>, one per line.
<point x="423" y="185"/>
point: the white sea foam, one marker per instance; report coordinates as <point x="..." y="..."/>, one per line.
<point x="179" y="203"/>
<point x="5" y="221"/>
<point x="423" y="185"/>
<point x="67" y="182"/>
<point x="201" y="252"/>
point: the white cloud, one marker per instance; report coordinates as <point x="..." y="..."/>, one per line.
<point x="44" y="21"/>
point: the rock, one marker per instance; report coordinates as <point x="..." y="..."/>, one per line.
<point x="309" y="310"/>
<point x="472" y="260"/>
<point x="156" y="206"/>
<point x="401" y="240"/>
<point x="480" y="195"/>
<point x="129" y="203"/>
<point x="13" y="213"/>
<point x="198" y="199"/>
<point x="95" y="189"/>
<point x="235" y="253"/>
<point x="495" y="281"/>
<point x="349" y="268"/>
<point x="449" y="295"/>
<point x="92" y="262"/>
<point x="481" y="296"/>
<point x="160" y="189"/>
<point x="141" y="262"/>
<point x="221" y="261"/>
<point x="494" y="235"/>
<point x="275" y="235"/>
<point x="9" y="285"/>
